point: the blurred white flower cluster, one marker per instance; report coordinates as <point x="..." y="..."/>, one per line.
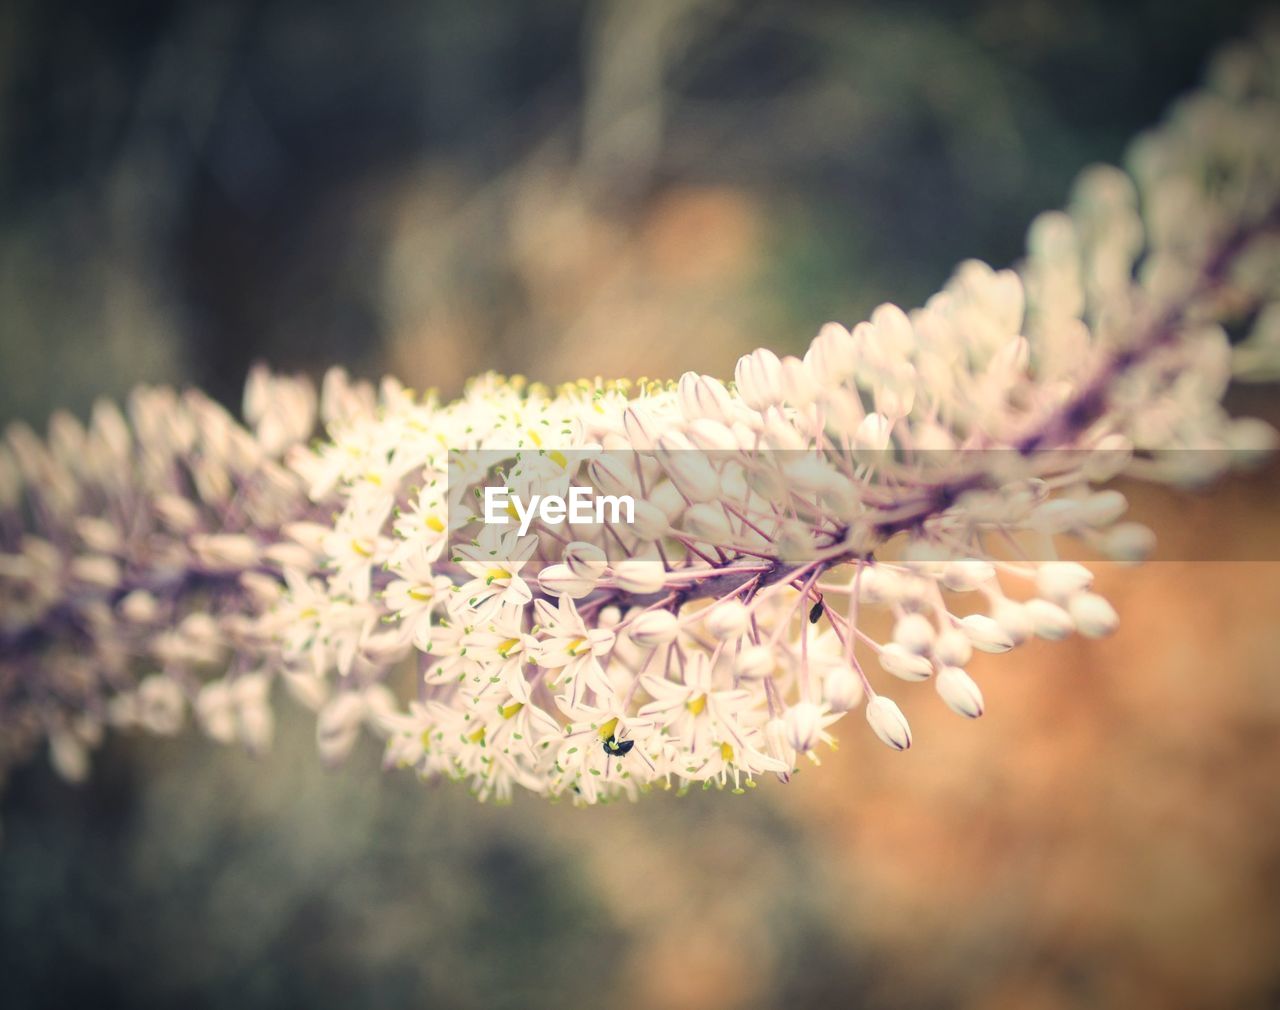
<point x="923" y="463"/>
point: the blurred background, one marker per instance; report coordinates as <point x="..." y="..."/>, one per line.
<point x="622" y="188"/>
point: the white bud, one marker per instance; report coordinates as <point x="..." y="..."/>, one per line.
<point x="68" y="756"/>
<point x="959" y="691"/>
<point x="1048" y="620"/>
<point x="986" y="634"/>
<point x="639" y="575"/>
<point x="915" y="633"/>
<point x="559" y="580"/>
<point x="1057" y="580"/>
<point x="257" y="727"/>
<point x="703" y="396"/>
<point x="888" y="722"/>
<point x="160" y="705"/>
<point x="907" y="665"/>
<point x="833" y="355"/>
<point x="953" y="648"/>
<point x="688" y="468"/>
<point x="654" y="628"/>
<point x="1102" y="508"/>
<point x="707" y="521"/>
<point x="96" y="570"/>
<point x="307" y="689"/>
<point x="651" y="523"/>
<point x="842" y="688"/>
<point x="1129" y="542"/>
<point x="140" y="607"/>
<point x="224" y="551"/>
<point x="215" y="711"/>
<point x="1250" y="441"/>
<point x="1013" y="619"/>
<point x="338" y="726"/>
<point x="710" y="435"/>
<point x="1108" y="458"/>
<point x="758" y="376"/>
<point x="804" y="726"/>
<point x="967" y="574"/>
<point x="779" y="745"/>
<point x="99" y="535"/>
<point x="1093" y="615"/>
<point x="586" y="561"/>
<point x="728" y="620"/>
<point x="756" y="662"/>
<point x="877" y="584"/>
<point x="872" y="434"/>
<point x="641" y="427"/>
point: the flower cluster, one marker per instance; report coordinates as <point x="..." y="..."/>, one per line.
<point x="923" y="463"/>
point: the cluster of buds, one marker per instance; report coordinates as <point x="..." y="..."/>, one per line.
<point x="927" y="464"/>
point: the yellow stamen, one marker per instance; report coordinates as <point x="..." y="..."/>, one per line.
<point x="505" y="648"/>
<point x="557" y="457"/>
<point x="696" y="705"/>
<point x="435" y="524"/>
<point x="498" y="573"/>
<point x="477" y="736"/>
<point x="509" y="711"/>
<point x="362" y="546"/>
<point x="575" y="645"/>
<point x="607" y="729"/>
<point x="726" y="751"/>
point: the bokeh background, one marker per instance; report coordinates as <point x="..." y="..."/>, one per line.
<point x="562" y="188"/>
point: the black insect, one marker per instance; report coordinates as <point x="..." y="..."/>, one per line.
<point x="815" y="613"/>
<point x="619" y="748"/>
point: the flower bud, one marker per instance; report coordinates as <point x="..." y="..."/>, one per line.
<point x="915" y="633"/>
<point x="967" y="574"/>
<point x="654" y="628"/>
<point x="703" y="396"/>
<point x="755" y="662"/>
<point x="778" y="741"/>
<point x="1057" y="580"/>
<point x="804" y="726"/>
<point x="586" y="561"/>
<point x="338" y="726"/>
<point x="707" y="521"/>
<point x="959" y="691"/>
<point x="758" y="376"/>
<point x="953" y="648"/>
<point x="1093" y="615"/>
<point x="559" y="580"/>
<point x="907" y="665"/>
<point x="728" y="620"/>
<point x="872" y="435"/>
<point x="1012" y="618"/>
<point x="1129" y="543"/>
<point x="160" y="705"/>
<point x="224" y="552"/>
<point x="641" y="427"/>
<point x="842" y="688"/>
<point x="710" y="435"/>
<point x="650" y="522"/>
<point x="215" y="710"/>
<point x="888" y="722"/>
<point x="640" y="575"/>
<point x="1048" y="620"/>
<point x="986" y="634"/>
